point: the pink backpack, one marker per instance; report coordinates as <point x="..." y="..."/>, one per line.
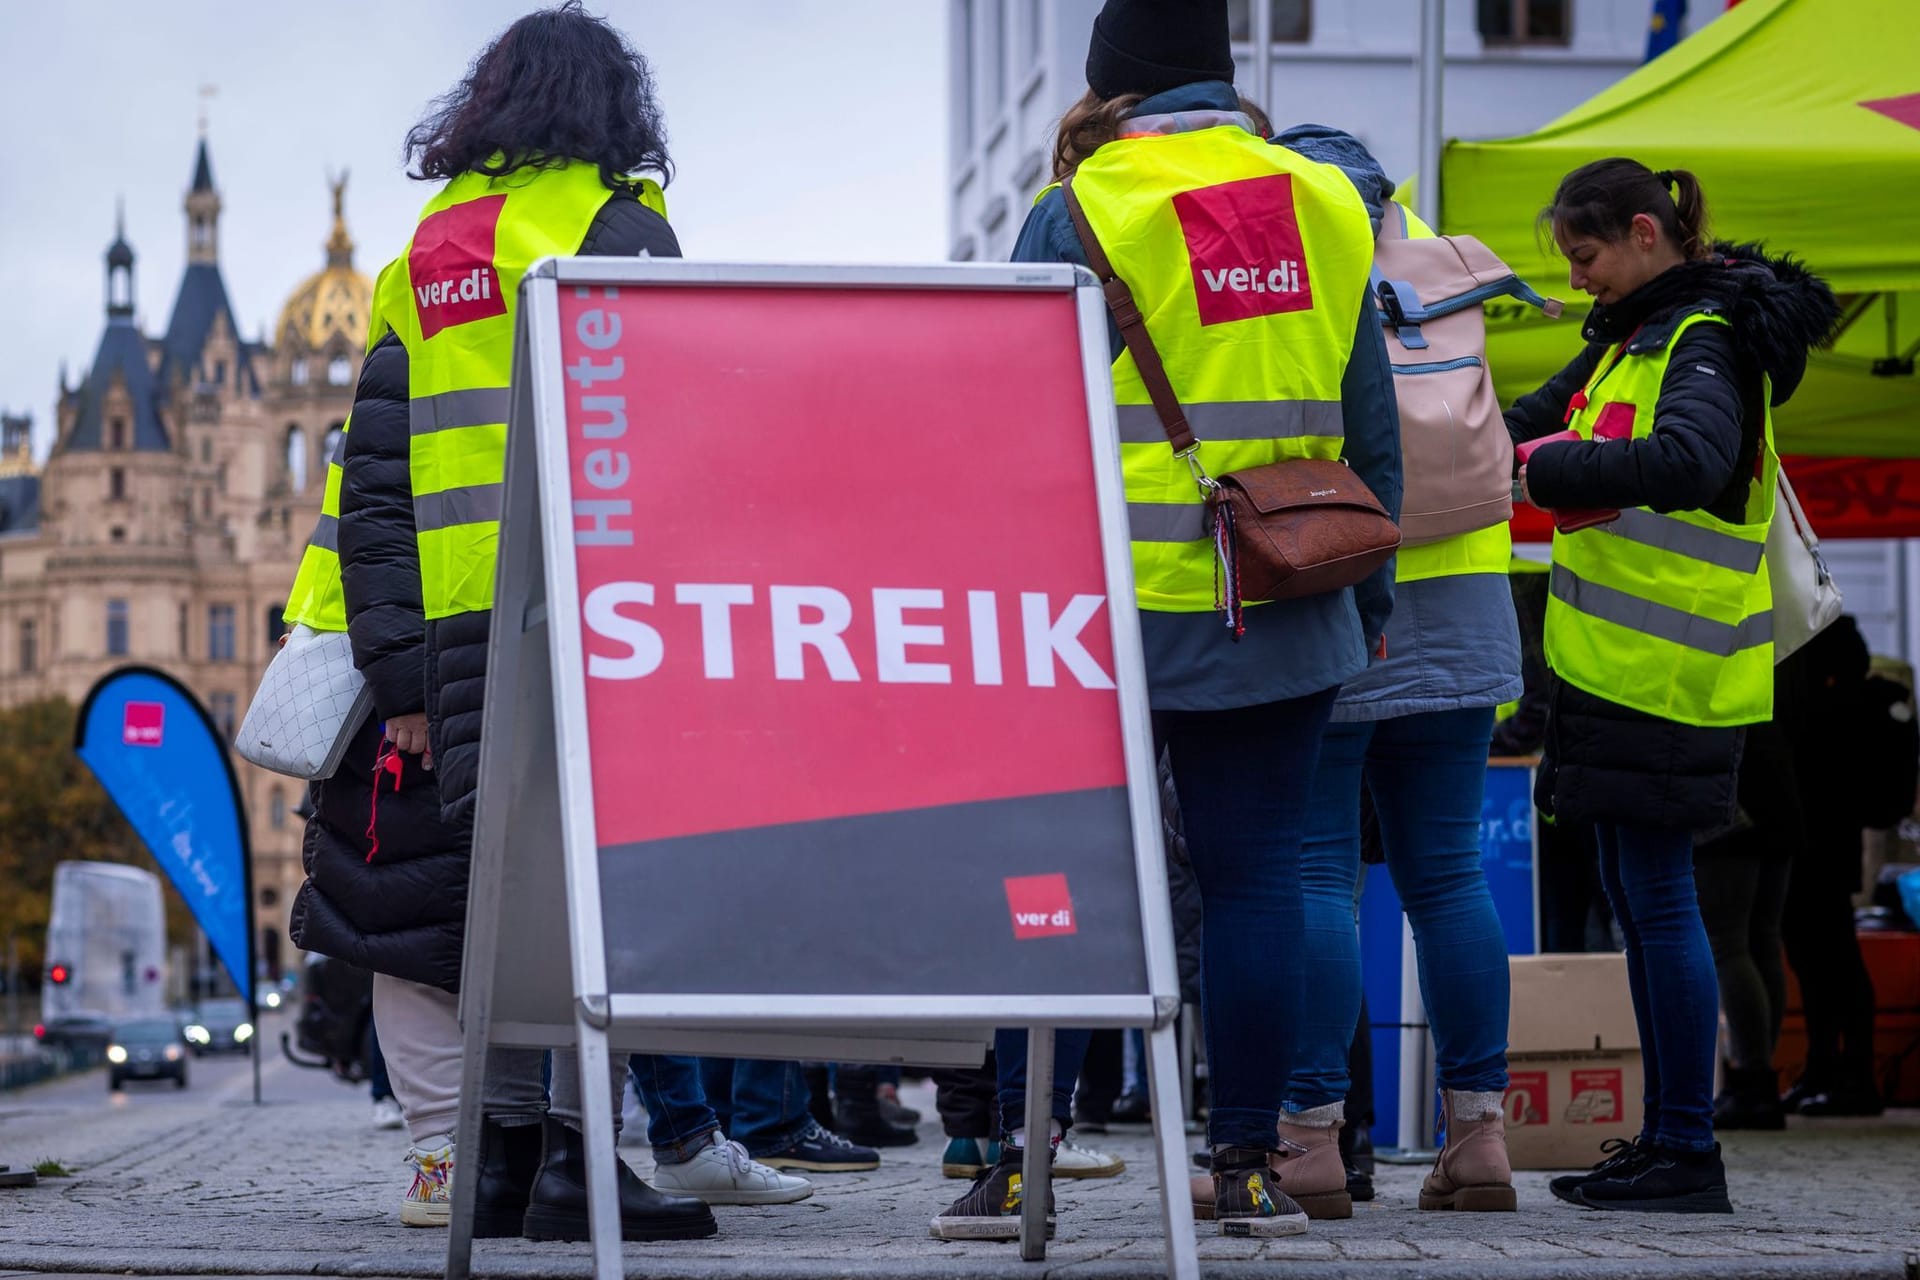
<point x="1454" y="448"/>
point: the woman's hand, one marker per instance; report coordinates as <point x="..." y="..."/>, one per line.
<point x="1520" y="486"/>
<point x="408" y="734"/>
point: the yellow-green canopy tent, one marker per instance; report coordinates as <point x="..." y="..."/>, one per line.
<point x="1802" y="120"/>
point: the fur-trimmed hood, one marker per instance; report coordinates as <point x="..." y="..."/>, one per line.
<point x="1779" y="310"/>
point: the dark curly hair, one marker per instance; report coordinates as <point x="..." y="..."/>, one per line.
<point x="558" y="85"/>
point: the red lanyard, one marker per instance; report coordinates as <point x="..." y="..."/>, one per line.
<point x="1582" y="398"/>
<point x="389" y="763"/>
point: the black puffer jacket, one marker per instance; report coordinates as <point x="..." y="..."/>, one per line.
<point x="456" y="674"/>
<point x="403" y="910"/>
<point x="1606" y="762"/>
<point x="398" y="906"/>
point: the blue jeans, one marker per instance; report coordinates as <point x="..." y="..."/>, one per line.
<point x="678" y="1115"/>
<point x="1010" y="1061"/>
<point x="1648" y="875"/>
<point x="1427" y="776"/>
<point x="761" y="1105"/>
<point x="1242" y="778"/>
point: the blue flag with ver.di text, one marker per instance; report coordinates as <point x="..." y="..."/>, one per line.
<point x="156" y="752"/>
<point x="1663" y="29"/>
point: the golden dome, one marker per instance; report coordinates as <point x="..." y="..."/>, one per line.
<point x="334" y="300"/>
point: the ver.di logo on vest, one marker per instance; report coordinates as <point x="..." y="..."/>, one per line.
<point x="1243" y="239"/>
<point x="451" y="266"/>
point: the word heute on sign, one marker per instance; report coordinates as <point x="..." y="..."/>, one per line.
<point x="604" y="468"/>
<point x="813" y="620"/>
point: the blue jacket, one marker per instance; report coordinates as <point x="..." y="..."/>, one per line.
<point x="1292" y="648"/>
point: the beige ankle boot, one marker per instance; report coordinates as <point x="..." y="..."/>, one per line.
<point x="1472" y="1173"/>
<point x="1308" y="1166"/>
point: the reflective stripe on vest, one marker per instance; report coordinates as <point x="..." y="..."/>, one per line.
<point x="1664" y="622"/>
<point x="453" y="302"/>
<point x="1670" y="614"/>
<point x="1250" y="264"/>
<point x="1488" y="550"/>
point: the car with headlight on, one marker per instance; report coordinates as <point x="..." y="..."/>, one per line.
<point x="220" y="1026"/>
<point x="146" y="1049"/>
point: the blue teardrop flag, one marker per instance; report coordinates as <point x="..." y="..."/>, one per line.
<point x="165" y="766"/>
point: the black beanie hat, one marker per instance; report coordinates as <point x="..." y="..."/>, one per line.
<point x="1150" y="46"/>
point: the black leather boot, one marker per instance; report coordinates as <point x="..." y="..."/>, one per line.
<point x="1751" y="1101"/>
<point x="857" y="1115"/>
<point x="509" y="1159"/>
<point x="557" y="1205"/>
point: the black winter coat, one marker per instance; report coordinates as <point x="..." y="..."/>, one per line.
<point x="399" y="908"/>
<point x="1605" y="762"/>
<point x="402" y="911"/>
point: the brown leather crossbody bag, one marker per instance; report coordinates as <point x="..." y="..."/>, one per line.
<point x="1280" y="531"/>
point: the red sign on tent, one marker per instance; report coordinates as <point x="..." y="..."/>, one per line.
<point x="1843" y="498"/>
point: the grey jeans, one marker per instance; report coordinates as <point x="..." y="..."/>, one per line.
<point x="421" y="1039"/>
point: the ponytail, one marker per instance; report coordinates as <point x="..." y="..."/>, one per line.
<point x="1603" y="198"/>
<point x="1690" y="209"/>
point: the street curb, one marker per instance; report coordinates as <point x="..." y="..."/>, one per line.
<point x="577" y="1264"/>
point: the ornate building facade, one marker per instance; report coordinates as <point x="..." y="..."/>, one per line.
<point x="167" y="522"/>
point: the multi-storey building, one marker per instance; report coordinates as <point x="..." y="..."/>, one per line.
<point x="167" y="522"/>
<point x="1511" y="65"/>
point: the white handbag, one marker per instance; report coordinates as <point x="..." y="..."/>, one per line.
<point x="1806" y="599"/>
<point x="310" y="703"/>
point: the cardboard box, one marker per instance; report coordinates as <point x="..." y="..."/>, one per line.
<point x="1573" y="1054"/>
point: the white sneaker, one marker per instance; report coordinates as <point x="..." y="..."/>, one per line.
<point x="1075" y="1161"/>
<point x="386" y="1114"/>
<point x="722" y="1173"/>
<point x="429" y="1201"/>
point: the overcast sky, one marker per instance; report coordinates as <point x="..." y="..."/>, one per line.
<point x="802" y="130"/>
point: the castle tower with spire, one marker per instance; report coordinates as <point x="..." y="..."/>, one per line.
<point x="186" y="472"/>
<point x="203" y="211"/>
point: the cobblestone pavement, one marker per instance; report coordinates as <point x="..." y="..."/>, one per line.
<point x="306" y="1186"/>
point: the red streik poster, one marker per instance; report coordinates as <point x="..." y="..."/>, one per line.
<point x="841" y="590"/>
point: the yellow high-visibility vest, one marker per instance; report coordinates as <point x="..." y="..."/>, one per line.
<point x="1668" y="614"/>
<point x="1250" y="265"/>
<point x="453" y="303"/>
<point x="317" y="598"/>
<point x="1478" y="551"/>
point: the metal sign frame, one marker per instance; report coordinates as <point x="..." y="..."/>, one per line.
<point x="535" y="800"/>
